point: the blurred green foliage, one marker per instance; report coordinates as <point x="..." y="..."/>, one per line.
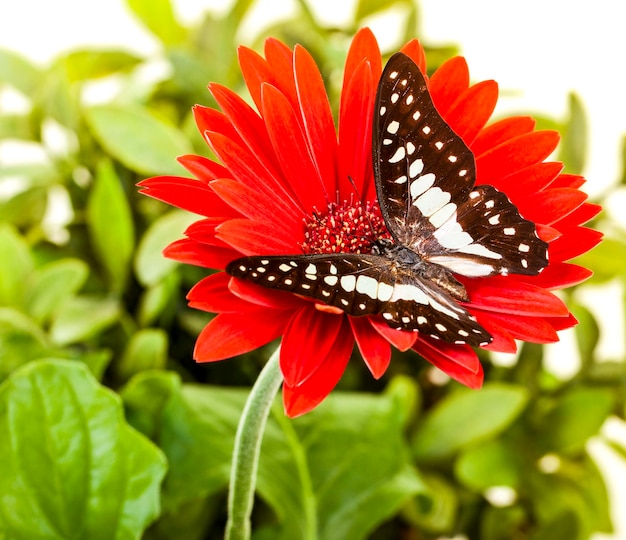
<point x="92" y="317"/>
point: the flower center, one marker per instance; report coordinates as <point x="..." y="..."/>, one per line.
<point x="346" y="228"/>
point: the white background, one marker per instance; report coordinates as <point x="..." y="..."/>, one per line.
<point x="542" y="49"/>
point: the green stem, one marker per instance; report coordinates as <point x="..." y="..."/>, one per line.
<point x="247" y="449"/>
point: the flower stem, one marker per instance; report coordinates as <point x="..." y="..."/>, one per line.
<point x="247" y="449"/>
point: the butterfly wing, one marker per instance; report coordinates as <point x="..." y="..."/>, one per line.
<point x="425" y="177"/>
<point x="366" y="285"/>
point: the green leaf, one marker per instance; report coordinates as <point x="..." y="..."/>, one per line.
<point x="19" y="72"/>
<point x="59" y="98"/>
<point x="366" y="8"/>
<point x="349" y="504"/>
<point x="17" y="126"/>
<point x="150" y="265"/>
<point x="70" y="466"/>
<point x="15" y="266"/>
<point x="587" y="332"/>
<point x="21" y="341"/>
<point x="52" y="284"/>
<point x="607" y="260"/>
<point x="573" y="147"/>
<point x="576" y="416"/>
<point x="305" y="473"/>
<point x="487" y="465"/>
<point x="503" y="523"/>
<point x="82" y="318"/>
<point x="26" y="208"/>
<point x="158" y="302"/>
<point x="147" y="349"/>
<point x="158" y="17"/>
<point x="110" y="223"/>
<point x="92" y="64"/>
<point x="438" y="513"/>
<point x="138" y="139"/>
<point x="467" y="417"/>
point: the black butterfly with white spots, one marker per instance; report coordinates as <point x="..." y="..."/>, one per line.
<point x="440" y="222"/>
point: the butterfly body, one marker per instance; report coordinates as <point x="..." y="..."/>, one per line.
<point x="441" y="225"/>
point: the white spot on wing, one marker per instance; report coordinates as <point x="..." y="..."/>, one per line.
<point x="416" y="167"/>
<point x="394" y="97"/>
<point x="524" y="248"/>
<point x="284" y="267"/>
<point x="331" y="280"/>
<point x="422" y="184"/>
<point x="385" y="291"/>
<point x="410" y="148"/>
<point x="494" y="220"/>
<point x="367" y="285"/>
<point x="400" y="180"/>
<point x="398" y="156"/>
<point x="347" y="283"/>
<point x="383" y="110"/>
<point x="311" y="269"/>
<point x="509" y="231"/>
<point x="393" y="127"/>
<point x="443" y="214"/>
<point x="431" y="201"/>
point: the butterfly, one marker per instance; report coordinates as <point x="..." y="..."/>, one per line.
<point x="440" y="222"/>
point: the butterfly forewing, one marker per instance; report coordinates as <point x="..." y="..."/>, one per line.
<point x="366" y="285"/>
<point x="422" y="168"/>
<point x="425" y="177"/>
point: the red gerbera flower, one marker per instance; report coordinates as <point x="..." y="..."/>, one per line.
<point x="267" y="196"/>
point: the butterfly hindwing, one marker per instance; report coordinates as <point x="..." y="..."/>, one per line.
<point x="366" y="285"/>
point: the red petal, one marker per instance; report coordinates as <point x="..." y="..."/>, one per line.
<point x="262" y="296"/>
<point x="191" y="252"/>
<point x="246" y="200"/>
<point x="575" y="241"/>
<point x="244" y="167"/>
<point x="458" y="361"/>
<point x="255" y="71"/>
<point x="203" y="231"/>
<point x="547" y="234"/>
<point x="212" y="294"/>
<point x="448" y="83"/>
<point x="500" y="132"/>
<point x="364" y="47"/>
<point x="255" y="238"/>
<point x="531" y="329"/>
<point x="559" y="275"/>
<point x="402" y="341"/>
<point x="188" y="194"/>
<point x="309" y="338"/>
<point x="288" y="141"/>
<point x="529" y="180"/>
<point x="472" y="109"/>
<point x="203" y="168"/>
<point x="508" y="295"/>
<point x="550" y="205"/>
<point x="231" y="334"/>
<point x="280" y="60"/>
<point x="414" y="50"/>
<point x="579" y="216"/>
<point x="249" y="126"/>
<point x="355" y="133"/>
<point x="211" y="120"/>
<point x="301" y="399"/>
<point x="515" y="154"/>
<point x="569" y="180"/>
<point x="317" y="117"/>
<point x="375" y="349"/>
<point x="502" y="340"/>
<point x="562" y="323"/>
